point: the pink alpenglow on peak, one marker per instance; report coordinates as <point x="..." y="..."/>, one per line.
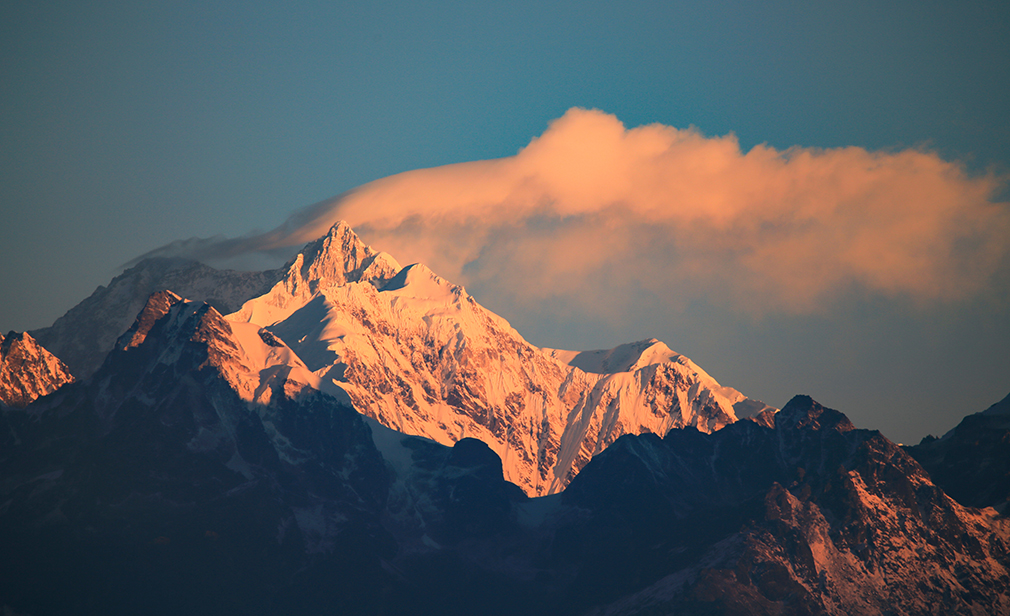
<point x="419" y="354"/>
<point x="28" y="371"/>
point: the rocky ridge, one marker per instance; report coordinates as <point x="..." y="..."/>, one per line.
<point x="186" y="446"/>
<point x="811" y="516"/>
<point x="199" y="472"/>
<point x="87" y="332"/>
<point x="972" y="461"/>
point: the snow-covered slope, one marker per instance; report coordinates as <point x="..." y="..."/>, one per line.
<point x="87" y="332"/>
<point x="28" y="371"/>
<point x="255" y="363"/>
<point x="337" y="258"/>
<point x="420" y="355"/>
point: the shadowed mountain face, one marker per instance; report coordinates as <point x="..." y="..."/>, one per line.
<point x="158" y="486"/>
<point x="809" y="517"/>
<point x="155" y="487"/>
<point x="972" y="462"/>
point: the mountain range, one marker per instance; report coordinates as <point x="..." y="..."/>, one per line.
<point x="421" y="356"/>
<point x="346" y="435"/>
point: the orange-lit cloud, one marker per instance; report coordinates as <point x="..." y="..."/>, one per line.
<point x="594" y="209"/>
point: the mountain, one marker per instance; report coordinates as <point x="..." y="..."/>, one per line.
<point x="811" y="516"/>
<point x="28" y="371"/>
<point x="972" y="461"/>
<point x="196" y="472"/>
<point x="201" y="470"/>
<point x="421" y="356"/>
<point x="86" y="333"/>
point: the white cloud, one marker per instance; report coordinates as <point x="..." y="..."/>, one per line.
<point x="593" y="210"/>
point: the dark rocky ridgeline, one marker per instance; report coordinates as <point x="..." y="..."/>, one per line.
<point x="153" y="488"/>
<point x="972" y="462"/>
<point x="809" y="517"/>
<point x="461" y="546"/>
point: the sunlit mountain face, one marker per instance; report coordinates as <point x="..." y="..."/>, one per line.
<point x="27" y="370"/>
<point x="349" y="435"/>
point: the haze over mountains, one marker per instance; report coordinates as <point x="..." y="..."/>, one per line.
<point x="348" y="435"/>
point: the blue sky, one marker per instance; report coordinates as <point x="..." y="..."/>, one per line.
<point x="126" y="126"/>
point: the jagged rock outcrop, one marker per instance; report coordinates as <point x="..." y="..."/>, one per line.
<point x="28" y="371"/>
<point x="810" y="517"/>
<point x="420" y="355"/>
<point x="87" y="332"/>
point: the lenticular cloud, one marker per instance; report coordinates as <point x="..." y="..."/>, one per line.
<point x="603" y="212"/>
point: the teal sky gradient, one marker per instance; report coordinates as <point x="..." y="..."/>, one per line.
<point x="125" y="126"/>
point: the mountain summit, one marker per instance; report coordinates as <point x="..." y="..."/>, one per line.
<point x="27" y="370"/>
<point x="420" y="355"/>
<point x="337" y="258"/>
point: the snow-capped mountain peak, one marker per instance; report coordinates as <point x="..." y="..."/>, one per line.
<point x="622" y="358"/>
<point x="27" y="370"/>
<point x="88" y="331"/>
<point x="340" y="256"/>
<point x="336" y="259"/>
<point x="207" y="444"/>
<point x="420" y="355"/>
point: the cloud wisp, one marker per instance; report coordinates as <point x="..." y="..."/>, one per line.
<point x="607" y="214"/>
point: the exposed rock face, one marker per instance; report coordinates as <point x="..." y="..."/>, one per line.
<point x="28" y="371"/>
<point x="86" y="333"/>
<point x="420" y="355"/>
<point x="972" y="462"/>
<point x="810" y="517"/>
